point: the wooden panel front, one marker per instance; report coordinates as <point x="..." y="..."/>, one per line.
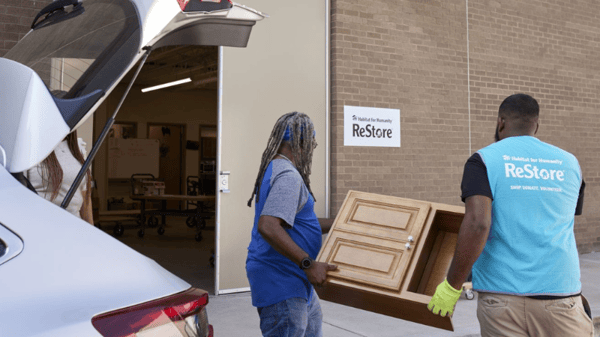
<point x="377" y="271"/>
<point x="373" y="238"/>
<point x="367" y="260"/>
<point x="382" y="216"/>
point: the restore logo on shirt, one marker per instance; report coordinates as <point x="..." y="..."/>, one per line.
<point x="529" y="171"/>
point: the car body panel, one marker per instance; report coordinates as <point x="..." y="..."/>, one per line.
<point x="31" y="123"/>
<point x="11" y="245"/>
<point x="68" y="270"/>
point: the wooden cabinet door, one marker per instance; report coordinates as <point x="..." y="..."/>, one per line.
<point x="373" y="239"/>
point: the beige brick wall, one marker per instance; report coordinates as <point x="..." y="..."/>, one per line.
<point x="412" y="56"/>
<point x="15" y="20"/>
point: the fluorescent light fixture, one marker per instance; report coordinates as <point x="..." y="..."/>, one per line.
<point x="206" y="81"/>
<point x="166" y="85"/>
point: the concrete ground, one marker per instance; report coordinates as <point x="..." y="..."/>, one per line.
<point x="233" y="315"/>
<point x="176" y="250"/>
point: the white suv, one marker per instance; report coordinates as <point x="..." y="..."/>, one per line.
<point x="60" y="276"/>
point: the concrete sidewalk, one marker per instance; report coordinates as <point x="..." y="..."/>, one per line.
<point x="233" y="315"/>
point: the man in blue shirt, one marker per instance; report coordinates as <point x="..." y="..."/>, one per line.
<point x="521" y="196"/>
<point x="286" y="237"/>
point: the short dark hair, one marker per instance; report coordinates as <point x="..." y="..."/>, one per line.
<point x="520" y="106"/>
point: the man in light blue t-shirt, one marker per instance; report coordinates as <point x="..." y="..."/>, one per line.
<point x="286" y="236"/>
<point x="521" y="196"/>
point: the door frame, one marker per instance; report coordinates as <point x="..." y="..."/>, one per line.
<point x="218" y="173"/>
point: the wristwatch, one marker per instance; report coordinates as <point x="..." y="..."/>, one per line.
<point x="306" y="263"/>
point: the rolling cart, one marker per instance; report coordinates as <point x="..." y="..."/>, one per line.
<point x="142" y="190"/>
<point x="194" y="187"/>
<point x="197" y="216"/>
<point x="138" y="189"/>
<point x="118" y="217"/>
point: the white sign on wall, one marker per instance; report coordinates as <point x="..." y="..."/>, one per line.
<point x="371" y="127"/>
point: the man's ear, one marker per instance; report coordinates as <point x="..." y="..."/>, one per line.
<point x="501" y="123"/>
<point x="537" y="126"/>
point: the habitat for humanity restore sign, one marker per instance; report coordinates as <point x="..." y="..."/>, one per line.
<point x="371" y="127"/>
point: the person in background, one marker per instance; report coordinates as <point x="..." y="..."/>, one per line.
<point x="286" y="236"/>
<point x="521" y="196"/>
<point x="53" y="177"/>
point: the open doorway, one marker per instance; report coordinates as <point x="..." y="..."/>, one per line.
<point x="182" y="119"/>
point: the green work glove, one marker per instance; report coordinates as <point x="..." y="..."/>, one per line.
<point x="444" y="300"/>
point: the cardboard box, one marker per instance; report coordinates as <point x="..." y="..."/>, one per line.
<point x="391" y="254"/>
<point x="153" y="187"/>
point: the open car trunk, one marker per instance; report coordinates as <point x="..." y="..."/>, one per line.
<point x="78" y="51"/>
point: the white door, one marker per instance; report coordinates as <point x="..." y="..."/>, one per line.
<point x="283" y="69"/>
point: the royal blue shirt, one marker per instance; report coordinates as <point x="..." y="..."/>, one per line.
<point x="273" y="277"/>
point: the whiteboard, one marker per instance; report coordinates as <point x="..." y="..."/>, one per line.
<point x="132" y="156"/>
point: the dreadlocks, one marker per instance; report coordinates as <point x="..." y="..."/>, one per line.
<point x="302" y="141"/>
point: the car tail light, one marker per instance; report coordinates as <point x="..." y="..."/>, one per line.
<point x="183" y="3"/>
<point x="181" y="315"/>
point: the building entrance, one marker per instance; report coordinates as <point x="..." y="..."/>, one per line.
<point x="159" y="140"/>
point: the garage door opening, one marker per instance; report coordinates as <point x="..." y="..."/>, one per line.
<point x="155" y="175"/>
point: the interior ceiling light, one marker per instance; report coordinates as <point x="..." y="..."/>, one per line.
<point x="166" y="85"/>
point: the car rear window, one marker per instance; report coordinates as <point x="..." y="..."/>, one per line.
<point x="87" y="52"/>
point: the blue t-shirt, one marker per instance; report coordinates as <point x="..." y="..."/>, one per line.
<point x="273" y="277"/>
<point x="531" y="247"/>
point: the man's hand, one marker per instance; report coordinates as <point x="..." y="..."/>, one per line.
<point x="317" y="273"/>
<point x="444" y="300"/>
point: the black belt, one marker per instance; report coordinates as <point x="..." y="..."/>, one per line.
<point x="550" y="297"/>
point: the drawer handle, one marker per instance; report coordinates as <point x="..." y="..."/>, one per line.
<point x="407" y="245"/>
<point x="411" y="239"/>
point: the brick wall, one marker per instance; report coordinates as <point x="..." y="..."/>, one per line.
<point x="15" y="20"/>
<point x="408" y="55"/>
<point x="412" y="56"/>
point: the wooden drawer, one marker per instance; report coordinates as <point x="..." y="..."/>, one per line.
<point x="391" y="253"/>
